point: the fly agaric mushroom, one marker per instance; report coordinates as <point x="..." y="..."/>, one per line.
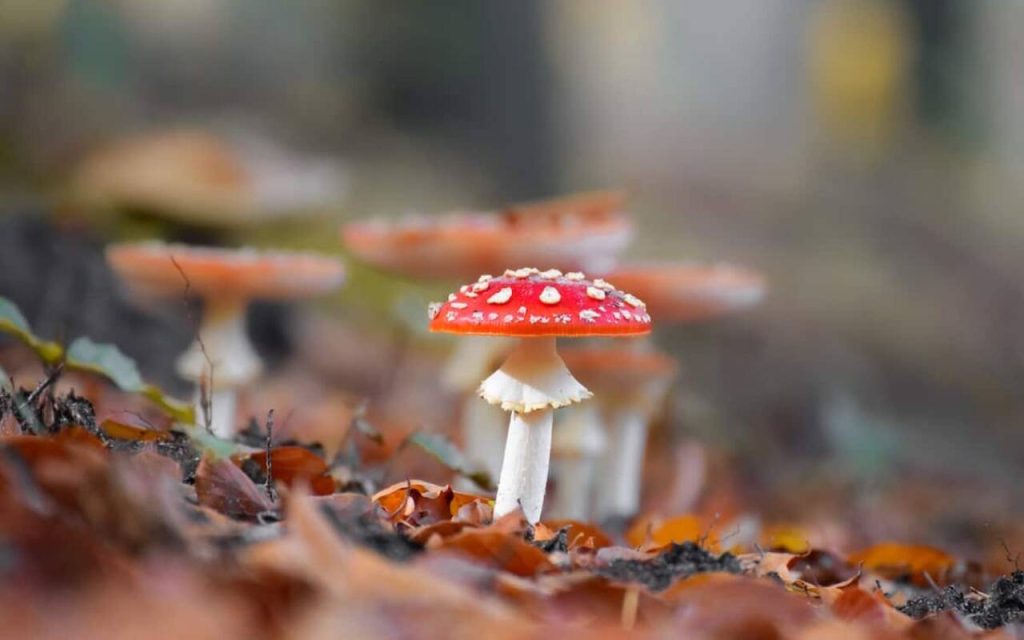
<point x="630" y="385"/>
<point x="584" y="231"/>
<point x="226" y="279"/>
<point x="536" y="307"/>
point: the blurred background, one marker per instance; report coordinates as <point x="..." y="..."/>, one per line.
<point x="867" y="156"/>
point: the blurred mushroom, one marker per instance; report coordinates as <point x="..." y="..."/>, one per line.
<point x="198" y="178"/>
<point x="222" y="359"/>
<point x="585" y="231"/>
<point x="630" y="386"/>
<point x="577" y="445"/>
<point x="681" y="292"/>
<point x="536" y="307"/>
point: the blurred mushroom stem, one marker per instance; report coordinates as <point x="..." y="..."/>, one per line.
<point x="474" y="358"/>
<point x="482" y="424"/>
<point x="577" y="446"/>
<point x="619" y="484"/>
<point x="223" y="357"/>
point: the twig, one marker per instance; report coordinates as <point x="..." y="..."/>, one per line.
<point x="206" y="379"/>
<point x="50" y="379"/>
<point x="268" y="483"/>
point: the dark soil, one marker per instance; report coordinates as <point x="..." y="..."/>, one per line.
<point x="1004" y="604"/>
<point x="557" y="542"/>
<point x="366" y="530"/>
<point x="678" y="561"/>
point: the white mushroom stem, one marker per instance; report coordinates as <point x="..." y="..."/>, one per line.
<point x="530" y="383"/>
<point x="223" y="357"/>
<point x="619" y="484"/>
<point x="524" y="470"/>
<point x="577" y="447"/>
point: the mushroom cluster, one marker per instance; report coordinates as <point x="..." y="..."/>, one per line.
<point x="536" y="307"/>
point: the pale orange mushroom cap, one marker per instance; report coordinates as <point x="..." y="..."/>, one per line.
<point x="611" y="370"/>
<point x="585" y="232"/>
<point x="682" y="292"/>
<point x="156" y="268"/>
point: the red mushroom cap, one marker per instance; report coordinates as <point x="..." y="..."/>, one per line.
<point x="527" y="302"/>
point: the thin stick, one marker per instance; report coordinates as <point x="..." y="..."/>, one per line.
<point x="630" y="607"/>
<point x="205" y="380"/>
<point x="268" y="483"/>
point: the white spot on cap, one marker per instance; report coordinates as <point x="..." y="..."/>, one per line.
<point x="502" y="296"/>
<point x="551" y="274"/>
<point x="481" y="286"/>
<point x="595" y="293"/>
<point x="589" y="315"/>
<point x="550" y="295"/>
<point x="633" y="301"/>
<point x="601" y="284"/>
<point x="575" y="275"/>
<point x="470" y="294"/>
<point x="433" y="309"/>
<point x="484" y="278"/>
<point x="452" y="297"/>
<point x="459" y="305"/>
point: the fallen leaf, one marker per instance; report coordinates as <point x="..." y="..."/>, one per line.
<point x="224" y="487"/>
<point x="501" y="550"/>
<point x="654" y="532"/>
<point x="897" y="561"/>
<point x="291" y="465"/>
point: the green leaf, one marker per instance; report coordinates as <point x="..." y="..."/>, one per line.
<point x="13" y="323"/>
<point x="108" y="361"/>
<point x="449" y="455"/>
<point x="105" y="360"/>
<point x="363" y="426"/>
<point x="178" y="409"/>
<point x="207" y="442"/>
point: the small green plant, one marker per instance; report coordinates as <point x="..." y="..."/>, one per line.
<point x="104" y="360"/>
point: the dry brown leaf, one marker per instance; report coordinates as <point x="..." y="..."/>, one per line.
<point x="654" y="532"/>
<point x="504" y="551"/>
<point x="224" y="487"/>
<point x="897" y="561"/>
<point x="580" y="534"/>
<point x="291" y="465"/>
<point x="417" y="503"/>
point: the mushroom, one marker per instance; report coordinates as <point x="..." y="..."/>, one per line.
<point x="222" y="358"/>
<point x="678" y="293"/>
<point x="585" y="231"/>
<point x="681" y="292"/>
<point x="536" y="307"/>
<point x="630" y="385"/>
<point x="576" y="448"/>
<point x="198" y="178"/>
